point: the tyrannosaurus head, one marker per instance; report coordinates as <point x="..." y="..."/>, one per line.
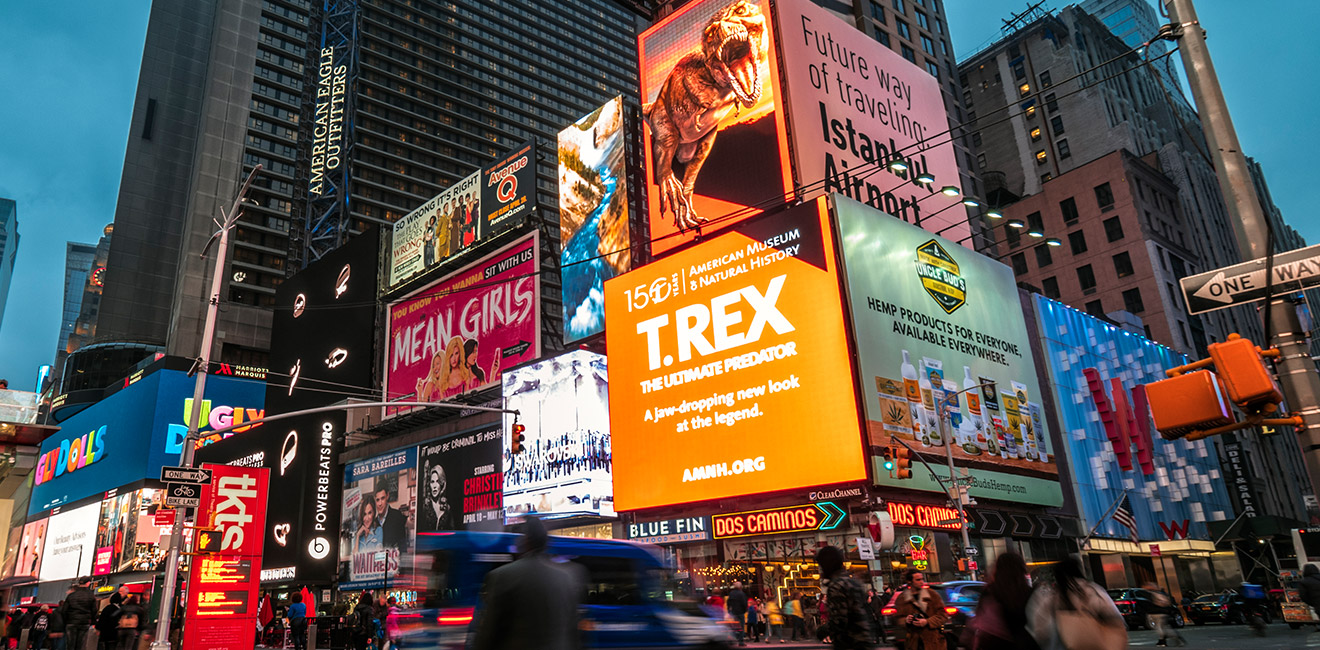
<point x="735" y="46"/>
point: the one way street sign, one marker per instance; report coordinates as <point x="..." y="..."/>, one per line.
<point x="193" y="475"/>
<point x="1243" y="283"/>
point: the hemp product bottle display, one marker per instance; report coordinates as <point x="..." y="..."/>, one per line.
<point x="954" y="412"/>
<point x="930" y="434"/>
<point x="912" y="390"/>
<point x="973" y="421"/>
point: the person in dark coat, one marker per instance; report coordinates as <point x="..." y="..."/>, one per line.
<point x="1001" y="615"/>
<point x="1309" y="587"/>
<point x="79" y="614"/>
<point x="394" y="526"/>
<point x="130" y="622"/>
<point x="532" y="602"/>
<point x="363" y="621"/>
<point x="40" y="626"/>
<point x="736" y="604"/>
<point x="107" y="624"/>
<point x="848" y="620"/>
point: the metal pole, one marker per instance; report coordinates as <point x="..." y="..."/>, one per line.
<point x="956" y="490"/>
<point x="1297" y="372"/>
<point x="162" y="640"/>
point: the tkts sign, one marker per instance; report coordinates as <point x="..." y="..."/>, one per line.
<point x="222" y="587"/>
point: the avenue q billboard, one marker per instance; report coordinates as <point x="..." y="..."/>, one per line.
<point x="730" y="367"/>
<point x="723" y="106"/>
<point x="936" y="321"/>
<point x="474" y="209"/>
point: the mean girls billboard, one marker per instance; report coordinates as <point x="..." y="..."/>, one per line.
<point x="455" y="336"/>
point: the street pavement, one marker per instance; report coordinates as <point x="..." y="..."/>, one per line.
<point x="1218" y="637"/>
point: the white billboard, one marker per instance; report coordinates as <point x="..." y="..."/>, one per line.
<point x="70" y="544"/>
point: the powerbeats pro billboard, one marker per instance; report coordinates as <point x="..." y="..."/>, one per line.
<point x="730" y="367"/>
<point x="938" y="324"/>
<point x="456" y="336"/>
<point x="130" y="434"/>
<point x="715" y="135"/>
<point x="564" y="468"/>
<point x="593" y="215"/>
<point x="855" y="103"/>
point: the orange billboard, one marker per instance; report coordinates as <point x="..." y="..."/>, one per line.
<point x="716" y="140"/>
<point x="729" y="367"/>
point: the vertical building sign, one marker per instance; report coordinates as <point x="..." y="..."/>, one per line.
<point x="222" y="587"/>
<point x="1240" y="486"/>
<point x="328" y="127"/>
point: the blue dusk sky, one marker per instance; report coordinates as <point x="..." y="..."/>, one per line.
<point x="69" y="88"/>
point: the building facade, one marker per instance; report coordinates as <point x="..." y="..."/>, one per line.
<point x="78" y="267"/>
<point x="8" y="249"/>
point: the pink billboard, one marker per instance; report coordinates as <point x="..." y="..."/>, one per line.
<point x="457" y="335"/>
<point x="853" y="104"/>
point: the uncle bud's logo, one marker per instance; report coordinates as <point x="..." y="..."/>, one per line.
<point x="939" y="275"/>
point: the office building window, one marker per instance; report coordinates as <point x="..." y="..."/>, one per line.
<point x="882" y="36"/>
<point x="1132" y="301"/>
<point x="1046" y="177"/>
<point x="933" y="68"/>
<point x="1043" y="258"/>
<point x="1123" y="264"/>
<point x="1050" y="286"/>
<point x="1068" y="207"/>
<point x="976" y="139"/>
<point x="1113" y="229"/>
<point x="1031" y="111"/>
<point x="927" y="45"/>
<point x="1041" y="157"/>
<point x="1077" y="242"/>
<point x="1095" y="308"/>
<point x="1019" y="264"/>
<point x="878" y="12"/>
<point x="1024" y="90"/>
<point x="903" y="29"/>
<point x="898" y="6"/>
<point x="908" y="53"/>
<point x="1035" y="134"/>
<point x="1045" y="79"/>
<point x="1035" y="223"/>
<point x="1051" y="104"/>
<point x="1086" y="278"/>
<point x="1019" y="72"/>
<point x="1056" y="124"/>
<point x="980" y="161"/>
<point x="1013" y="236"/>
<point x="923" y="21"/>
<point x="1064" y="151"/>
<point x="1104" y="196"/>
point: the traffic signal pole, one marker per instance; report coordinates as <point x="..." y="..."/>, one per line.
<point x="201" y="367"/>
<point x="1296" y="370"/>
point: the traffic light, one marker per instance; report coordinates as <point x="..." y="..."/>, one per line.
<point x="888" y="463"/>
<point x="516" y="438"/>
<point x="1241" y="366"/>
<point x="1190" y="403"/>
<point x="208" y="541"/>
<point x="902" y="462"/>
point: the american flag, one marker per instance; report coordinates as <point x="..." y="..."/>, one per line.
<point x="1124" y="516"/>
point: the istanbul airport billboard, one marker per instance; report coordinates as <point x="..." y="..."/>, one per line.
<point x="712" y="351"/>
<point x="935" y="321"/>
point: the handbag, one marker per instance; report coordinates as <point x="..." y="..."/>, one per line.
<point x="129" y="620"/>
<point x="1080" y="630"/>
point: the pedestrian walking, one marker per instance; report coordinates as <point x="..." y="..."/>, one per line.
<point x="878" y="601"/>
<point x="774" y="616"/>
<point x="847" y="617"/>
<point x="793" y="612"/>
<point x="1072" y="612"/>
<point x="1001" y="615"/>
<point x="921" y="610"/>
<point x="1163" y="616"/>
<point x="362" y="621"/>
<point x="79" y="614"/>
<point x="131" y="621"/>
<point x="39" y="627"/>
<point x="1309" y="587"/>
<point x="297" y="616"/>
<point x="532" y="602"/>
<point x="56" y="636"/>
<point x="736" y="604"/>
<point x="753" y="620"/>
<point x="107" y="624"/>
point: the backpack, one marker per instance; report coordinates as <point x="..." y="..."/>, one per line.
<point x="362" y="621"/>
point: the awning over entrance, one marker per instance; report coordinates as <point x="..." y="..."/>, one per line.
<point x="1250" y="528"/>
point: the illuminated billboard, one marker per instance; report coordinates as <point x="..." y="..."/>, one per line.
<point x="853" y="104"/>
<point x="380" y="501"/>
<point x="457" y="335"/>
<point x="70" y="543"/>
<point x="936" y="320"/>
<point x="462" y="487"/>
<point x="715" y="136"/>
<point x="593" y="215"/>
<point x="31" y="548"/>
<point x="474" y="209"/>
<point x="730" y="367"/>
<point x="565" y="466"/>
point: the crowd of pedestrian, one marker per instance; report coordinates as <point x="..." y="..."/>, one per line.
<point x="77" y="622"/>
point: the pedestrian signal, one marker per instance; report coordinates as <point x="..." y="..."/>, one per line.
<point x="516" y="438"/>
<point x="208" y="541"/>
<point x="902" y="462"/>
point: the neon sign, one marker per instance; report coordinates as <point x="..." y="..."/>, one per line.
<point x="72" y="455"/>
<point x="923" y="516"/>
<point x="917" y="553"/>
<point x="791" y="519"/>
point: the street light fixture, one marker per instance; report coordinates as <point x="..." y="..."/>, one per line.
<point x="898" y="165"/>
<point x="1017" y="223"/>
<point x="1035" y="233"/>
<point x="925" y="178"/>
<point x="971" y="202"/>
<point x="1054" y="241"/>
<point x="950" y="190"/>
<point x="994" y="214"/>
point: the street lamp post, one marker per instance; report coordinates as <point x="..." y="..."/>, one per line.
<point x="956" y="491"/>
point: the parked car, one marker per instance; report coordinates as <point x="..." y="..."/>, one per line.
<point x="960" y="600"/>
<point x="1138" y="608"/>
<point x="1228" y="607"/>
<point x="624" y="605"/>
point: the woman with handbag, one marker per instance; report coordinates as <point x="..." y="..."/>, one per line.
<point x="1073" y="613"/>
<point x="1001" y="615"/>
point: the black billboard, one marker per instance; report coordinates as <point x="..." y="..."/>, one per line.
<point x="321" y="353"/>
